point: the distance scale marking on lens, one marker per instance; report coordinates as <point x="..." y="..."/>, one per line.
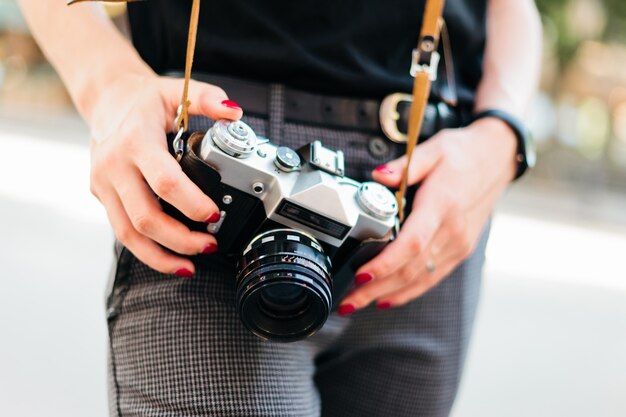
<point x="295" y="255"/>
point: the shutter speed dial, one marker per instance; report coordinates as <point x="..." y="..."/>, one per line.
<point x="234" y="138"/>
<point x="287" y="159"/>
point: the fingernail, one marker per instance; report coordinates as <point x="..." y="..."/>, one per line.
<point x="363" y="277"/>
<point x="231" y="104"/>
<point x="213" y="217"/>
<point x="384" y="169"/>
<point x="384" y="305"/>
<point x="183" y="273"/>
<point x="346" y="309"/>
<point x="210" y="248"/>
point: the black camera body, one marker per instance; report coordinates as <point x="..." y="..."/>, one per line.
<point x="297" y="227"/>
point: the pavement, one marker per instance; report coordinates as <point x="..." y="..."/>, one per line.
<point x="549" y="340"/>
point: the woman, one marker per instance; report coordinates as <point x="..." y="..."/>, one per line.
<point x="396" y="346"/>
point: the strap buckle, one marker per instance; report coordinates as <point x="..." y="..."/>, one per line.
<point x="388" y="115"/>
<point x="425" y="59"/>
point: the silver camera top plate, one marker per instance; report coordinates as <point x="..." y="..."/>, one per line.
<point x="314" y="198"/>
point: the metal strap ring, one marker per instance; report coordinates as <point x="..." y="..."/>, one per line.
<point x="178" y="144"/>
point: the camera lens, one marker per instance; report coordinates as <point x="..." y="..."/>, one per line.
<point x="284" y="285"/>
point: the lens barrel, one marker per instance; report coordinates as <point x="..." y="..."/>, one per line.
<point x="284" y="285"/>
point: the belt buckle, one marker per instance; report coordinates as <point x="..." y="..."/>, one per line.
<point x="389" y="116"/>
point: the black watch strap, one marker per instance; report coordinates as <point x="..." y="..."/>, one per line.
<point x="526" y="155"/>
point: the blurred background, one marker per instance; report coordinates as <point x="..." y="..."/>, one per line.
<point x="550" y="337"/>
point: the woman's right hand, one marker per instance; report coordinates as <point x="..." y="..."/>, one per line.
<point x="131" y="165"/>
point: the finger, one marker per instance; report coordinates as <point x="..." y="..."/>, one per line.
<point x="410" y="272"/>
<point x="454" y="242"/>
<point x="167" y="179"/>
<point x="451" y="243"/>
<point x="422" y="283"/>
<point x="424" y="159"/>
<point x="430" y="207"/>
<point x="422" y="279"/>
<point x="148" y="218"/>
<point x="364" y="294"/>
<point x="205" y="99"/>
<point x="143" y="248"/>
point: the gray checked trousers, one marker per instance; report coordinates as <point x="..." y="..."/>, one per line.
<point x="178" y="348"/>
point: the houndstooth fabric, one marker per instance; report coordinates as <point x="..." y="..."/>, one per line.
<point x="178" y="348"/>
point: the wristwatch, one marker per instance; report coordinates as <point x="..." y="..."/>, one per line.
<point x="526" y="152"/>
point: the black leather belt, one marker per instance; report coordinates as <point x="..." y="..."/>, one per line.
<point x="388" y="117"/>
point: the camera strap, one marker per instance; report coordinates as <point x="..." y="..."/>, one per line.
<point x="182" y="118"/>
<point x="424" y="70"/>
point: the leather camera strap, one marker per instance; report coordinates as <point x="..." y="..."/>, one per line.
<point x="182" y="119"/>
<point x="424" y="69"/>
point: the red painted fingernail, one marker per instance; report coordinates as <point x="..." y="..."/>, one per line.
<point x="384" y="305"/>
<point x="210" y="248"/>
<point x="346" y="309"/>
<point x="213" y="217"/>
<point x="384" y="169"/>
<point x="231" y="104"/>
<point x="184" y="273"/>
<point x="363" y="277"/>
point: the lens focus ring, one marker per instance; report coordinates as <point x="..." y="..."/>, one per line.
<point x="284" y="285"/>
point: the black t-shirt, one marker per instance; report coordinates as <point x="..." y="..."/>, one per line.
<point x="340" y="47"/>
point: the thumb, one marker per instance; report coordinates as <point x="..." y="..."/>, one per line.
<point x="205" y="99"/>
<point x="425" y="157"/>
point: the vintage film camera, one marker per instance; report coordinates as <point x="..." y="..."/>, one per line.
<point x="296" y="225"/>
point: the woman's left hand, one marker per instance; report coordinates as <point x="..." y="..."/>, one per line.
<point x="462" y="173"/>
